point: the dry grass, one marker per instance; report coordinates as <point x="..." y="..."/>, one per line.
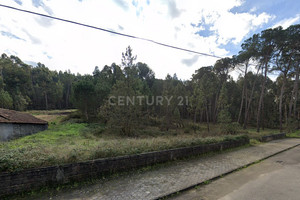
<point x="51" y="112"/>
<point x="51" y="115"/>
<point x="48" y="118"/>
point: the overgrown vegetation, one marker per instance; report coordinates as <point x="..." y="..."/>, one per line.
<point x="295" y="134"/>
<point x="68" y="142"/>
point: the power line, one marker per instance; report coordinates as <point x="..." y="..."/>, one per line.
<point x="109" y="31"/>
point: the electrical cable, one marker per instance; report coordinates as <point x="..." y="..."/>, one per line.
<point x="109" y="31"/>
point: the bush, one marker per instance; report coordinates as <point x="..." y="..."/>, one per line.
<point x="224" y="117"/>
<point x="154" y="121"/>
<point x="230" y="128"/>
<point x="192" y="126"/>
<point x="292" y="126"/>
<point x="75" y="116"/>
<point x="187" y="130"/>
<point x="236" y="137"/>
<point x="227" y="127"/>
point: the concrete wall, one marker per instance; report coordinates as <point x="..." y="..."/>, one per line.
<point x="10" y="131"/>
<point x="30" y="179"/>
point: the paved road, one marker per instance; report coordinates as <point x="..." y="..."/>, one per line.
<point x="173" y="177"/>
<point x="275" y="178"/>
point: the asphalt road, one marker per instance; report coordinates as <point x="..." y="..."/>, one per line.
<point x="275" y="178"/>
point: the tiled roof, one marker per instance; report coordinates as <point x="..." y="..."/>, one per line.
<point x="11" y="116"/>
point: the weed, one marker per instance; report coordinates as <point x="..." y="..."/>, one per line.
<point x="207" y="182"/>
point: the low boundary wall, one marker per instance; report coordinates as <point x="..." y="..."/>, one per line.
<point x="268" y="138"/>
<point x="26" y="180"/>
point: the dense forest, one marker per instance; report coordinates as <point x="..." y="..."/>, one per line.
<point x="210" y="96"/>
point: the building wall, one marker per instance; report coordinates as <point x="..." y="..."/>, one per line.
<point x="10" y="131"/>
<point x="6" y="130"/>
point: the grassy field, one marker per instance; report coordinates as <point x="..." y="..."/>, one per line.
<point x="66" y="142"/>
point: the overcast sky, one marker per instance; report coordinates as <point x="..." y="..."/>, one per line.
<point x="215" y="27"/>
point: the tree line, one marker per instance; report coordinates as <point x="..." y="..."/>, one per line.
<point x="210" y="96"/>
<point x="25" y="87"/>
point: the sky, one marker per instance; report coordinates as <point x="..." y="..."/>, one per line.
<point x="216" y="27"/>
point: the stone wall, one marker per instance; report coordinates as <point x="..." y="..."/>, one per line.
<point x="10" y="131"/>
<point x="38" y="177"/>
<point x="268" y="138"/>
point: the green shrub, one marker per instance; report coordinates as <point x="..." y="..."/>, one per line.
<point x="187" y="130"/>
<point x="75" y="116"/>
<point x="230" y="128"/>
<point x="153" y="121"/>
<point x="224" y="117"/>
<point x="236" y="137"/>
<point x="292" y="126"/>
<point x="226" y="126"/>
<point x="193" y="126"/>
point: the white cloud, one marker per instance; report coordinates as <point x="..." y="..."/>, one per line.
<point x="252" y="10"/>
<point x="80" y="49"/>
<point x="285" y="23"/>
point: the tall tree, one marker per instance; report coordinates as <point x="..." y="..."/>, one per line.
<point x="282" y="63"/>
<point x="221" y="68"/>
<point x="266" y="49"/>
<point x="122" y="111"/>
<point x="244" y="57"/>
<point x="293" y="44"/>
<point x="84" y="95"/>
<point x="205" y="82"/>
